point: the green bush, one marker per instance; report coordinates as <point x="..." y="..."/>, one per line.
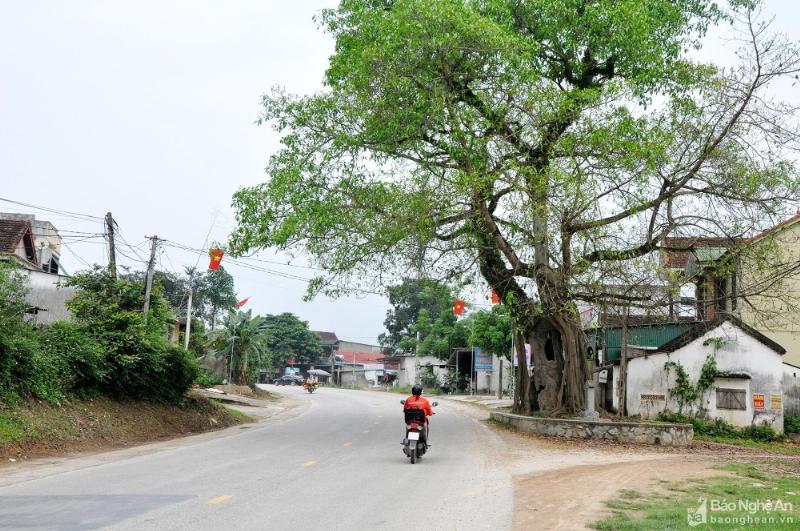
<point x="177" y="373"/>
<point x="109" y="347"/>
<point x="78" y="357"/>
<point x="139" y="362"/>
<point x="760" y="433"/>
<point x="791" y="423"/>
<point x="24" y="370"/>
<point x="206" y="379"/>
<point x="720" y="428"/>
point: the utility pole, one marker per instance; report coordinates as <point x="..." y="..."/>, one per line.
<point x="149" y="281"/>
<point x="112" y="255"/>
<point x="189" y="314"/>
<point x="623" y="364"/>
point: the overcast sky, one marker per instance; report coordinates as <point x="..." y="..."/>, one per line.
<point x="146" y="109"/>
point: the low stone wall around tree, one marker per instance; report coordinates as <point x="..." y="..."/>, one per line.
<point x="631" y="432"/>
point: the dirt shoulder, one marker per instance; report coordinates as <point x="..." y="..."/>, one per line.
<point x="37" y="429"/>
<point x="565" y="484"/>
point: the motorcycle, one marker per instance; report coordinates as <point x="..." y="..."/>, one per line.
<point x="415" y="443"/>
<point x="310" y="387"/>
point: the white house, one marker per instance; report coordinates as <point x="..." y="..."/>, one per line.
<point x="791" y="389"/>
<point x="748" y="387"/>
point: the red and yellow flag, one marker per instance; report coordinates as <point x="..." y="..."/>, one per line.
<point x="458" y="307"/>
<point x="216" y="258"/>
<point x="242" y="302"/>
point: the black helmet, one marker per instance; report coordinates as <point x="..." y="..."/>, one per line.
<point x="416" y="390"/>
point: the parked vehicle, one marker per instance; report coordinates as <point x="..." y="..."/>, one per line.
<point x="289" y="379"/>
<point x="415" y="443"/>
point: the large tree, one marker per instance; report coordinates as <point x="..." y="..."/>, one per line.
<point x="289" y="337"/>
<point x="407" y="299"/>
<point x="551" y="144"/>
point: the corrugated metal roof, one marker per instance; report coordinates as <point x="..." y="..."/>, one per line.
<point x="645" y="336"/>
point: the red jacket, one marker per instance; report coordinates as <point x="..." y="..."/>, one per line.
<point x="417" y="402"/>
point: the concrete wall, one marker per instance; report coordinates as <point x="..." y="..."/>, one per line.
<point x="44" y="292"/>
<point x="791" y="390"/>
<point x="776" y="316"/>
<point x="410" y="369"/>
<point x="648" y="384"/>
<point x="636" y="432"/>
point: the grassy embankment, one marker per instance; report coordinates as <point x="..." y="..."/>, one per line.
<point x="747" y="496"/>
<point x="36" y="428"/>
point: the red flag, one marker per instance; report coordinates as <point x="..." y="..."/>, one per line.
<point x="216" y="258"/>
<point x="458" y="307"/>
<point x="242" y="302"/>
<point x="495" y="297"/>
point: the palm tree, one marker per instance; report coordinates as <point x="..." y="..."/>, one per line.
<point x="242" y="340"/>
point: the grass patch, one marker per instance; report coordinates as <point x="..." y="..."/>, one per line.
<point x="238" y="415"/>
<point x="774" y="447"/>
<point x="13" y="428"/>
<point x="37" y="428"/>
<point x="753" y="497"/>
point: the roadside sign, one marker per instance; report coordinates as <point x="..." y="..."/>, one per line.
<point x="775" y="402"/>
<point x="758" y="402"/>
<point x="483" y="360"/>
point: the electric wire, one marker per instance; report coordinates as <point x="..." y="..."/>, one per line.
<point x="76" y="215"/>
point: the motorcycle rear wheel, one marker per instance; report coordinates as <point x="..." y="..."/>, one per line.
<point x="413" y="451"/>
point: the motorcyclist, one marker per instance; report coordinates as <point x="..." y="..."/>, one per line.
<point x="416" y="401"/>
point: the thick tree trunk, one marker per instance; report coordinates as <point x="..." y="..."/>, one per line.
<point x="523" y="404"/>
<point x="558" y="346"/>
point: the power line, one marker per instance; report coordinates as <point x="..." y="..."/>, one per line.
<point x="84" y="262"/>
<point x="52" y="210"/>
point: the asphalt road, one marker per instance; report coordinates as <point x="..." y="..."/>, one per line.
<point x="337" y="465"/>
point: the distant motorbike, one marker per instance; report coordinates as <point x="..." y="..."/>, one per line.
<point x="415" y="444"/>
<point x="310" y="387"/>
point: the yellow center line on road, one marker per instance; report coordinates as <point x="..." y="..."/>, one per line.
<point x="219" y="499"/>
<point x="309" y="463"/>
<point x="347" y="444"/>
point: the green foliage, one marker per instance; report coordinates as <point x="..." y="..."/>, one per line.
<point x="242" y="342"/>
<point x="491" y="331"/>
<point x="207" y="379"/>
<point x="684" y="391"/>
<point x="80" y="357"/>
<point x="547" y="143"/>
<point x="439" y="336"/>
<point x="791" y="423"/>
<point x="213" y="291"/>
<point x="665" y="506"/>
<point x="288" y="336"/>
<point x="216" y="289"/>
<point x="139" y="361"/>
<point x="407" y="300"/>
<point x="109" y="347"/>
<point x="719" y="429"/>
<point x="24" y="369"/>
<point x="429" y="380"/>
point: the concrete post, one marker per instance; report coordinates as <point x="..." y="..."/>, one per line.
<point x="590" y="411"/>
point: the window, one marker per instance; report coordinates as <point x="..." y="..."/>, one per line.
<point x="731" y="399"/>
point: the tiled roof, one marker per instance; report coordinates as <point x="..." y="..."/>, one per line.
<point x="11" y="232"/>
<point x="678" y="249"/>
<point x="327" y="338"/>
<point x="361" y="357"/>
<point x="791" y="221"/>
